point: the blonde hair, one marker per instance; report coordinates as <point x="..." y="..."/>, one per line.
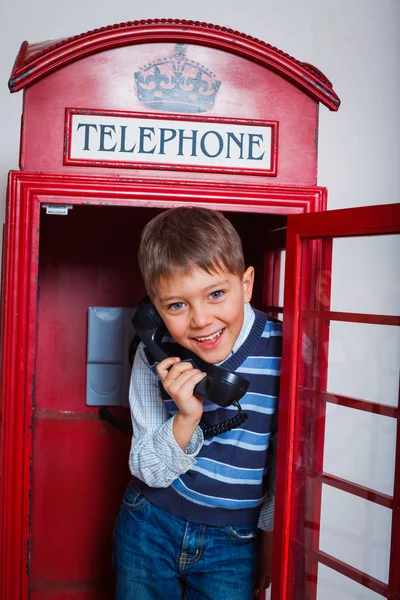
<point x="185" y="238"/>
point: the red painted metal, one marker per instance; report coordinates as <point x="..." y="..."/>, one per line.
<point x="394" y="574"/>
<point x="17" y="377"/>
<point x="295" y="569"/>
<point x="104" y="81"/>
<point x="349" y="222"/>
<point x="276" y="244"/>
<point x="355" y="489"/>
<point x="272" y="264"/>
<point x="88" y="518"/>
<point x="54" y="269"/>
<point x="285" y="452"/>
<point x="70" y="592"/>
<point x="350" y="572"/>
<point x="309" y="426"/>
<point x="272" y="309"/>
<point x="277" y="274"/>
<point x="268" y="278"/>
<point x="147" y="192"/>
<point x="350" y="317"/>
<point x="322" y="295"/>
<point x="34" y="62"/>
<point x="372" y="407"/>
<point x="29" y="387"/>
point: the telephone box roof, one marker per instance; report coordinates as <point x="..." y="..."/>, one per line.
<point x="35" y="61"/>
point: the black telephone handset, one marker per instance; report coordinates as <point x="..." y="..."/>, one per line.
<point x="219" y="386"/>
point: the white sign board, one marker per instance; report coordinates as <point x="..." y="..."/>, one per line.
<point x="150" y="141"/>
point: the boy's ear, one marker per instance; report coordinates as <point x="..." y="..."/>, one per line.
<point x="248" y="282"/>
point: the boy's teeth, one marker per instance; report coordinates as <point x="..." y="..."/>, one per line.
<point x="210" y="338"/>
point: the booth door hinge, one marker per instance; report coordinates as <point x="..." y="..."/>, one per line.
<point x="57" y="209"/>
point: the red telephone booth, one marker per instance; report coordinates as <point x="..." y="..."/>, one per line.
<point x="119" y="123"/>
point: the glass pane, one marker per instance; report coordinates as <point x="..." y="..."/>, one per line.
<point x="363" y="361"/>
<point x="360" y="447"/>
<point x="354" y="360"/>
<point x="334" y="586"/>
<point x="366" y="275"/>
<point x="356" y="532"/>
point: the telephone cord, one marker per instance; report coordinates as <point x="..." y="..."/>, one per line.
<point x="228" y="425"/>
<point x="208" y="432"/>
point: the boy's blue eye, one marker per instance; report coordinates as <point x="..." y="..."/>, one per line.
<point x="176" y="305"/>
<point x="216" y="295"/>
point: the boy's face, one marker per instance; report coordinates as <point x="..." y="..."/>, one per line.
<point x="204" y="312"/>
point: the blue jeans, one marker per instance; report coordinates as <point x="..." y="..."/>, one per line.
<point x="158" y="556"/>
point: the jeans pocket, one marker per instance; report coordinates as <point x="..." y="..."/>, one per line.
<point x="242" y="533"/>
<point x="134" y="500"/>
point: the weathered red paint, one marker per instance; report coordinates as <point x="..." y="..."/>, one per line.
<point x="38" y="60"/>
<point x="26" y="357"/>
<point x="297" y="551"/>
<point x="56" y="454"/>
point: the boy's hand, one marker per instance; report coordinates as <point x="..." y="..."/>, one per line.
<point x="179" y="380"/>
<point x="263" y="580"/>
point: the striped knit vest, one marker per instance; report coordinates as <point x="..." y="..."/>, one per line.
<point x="226" y="486"/>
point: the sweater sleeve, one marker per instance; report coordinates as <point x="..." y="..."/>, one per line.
<point x="266" y="518"/>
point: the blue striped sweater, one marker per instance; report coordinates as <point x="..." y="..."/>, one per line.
<point x="227" y="484"/>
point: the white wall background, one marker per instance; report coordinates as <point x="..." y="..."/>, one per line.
<point x="356" y="43"/>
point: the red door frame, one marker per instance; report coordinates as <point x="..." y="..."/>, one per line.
<point x="371" y="220"/>
<point x="27" y="193"/>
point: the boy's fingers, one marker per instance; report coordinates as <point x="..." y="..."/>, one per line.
<point x="177" y="383"/>
<point x="188" y="385"/>
<point x="164" y="366"/>
<point x="176" y="370"/>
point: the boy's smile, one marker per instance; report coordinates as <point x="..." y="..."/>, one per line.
<point x="204" y="311"/>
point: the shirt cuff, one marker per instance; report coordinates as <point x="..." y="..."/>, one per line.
<point x="171" y="453"/>
<point x="266" y="518"/>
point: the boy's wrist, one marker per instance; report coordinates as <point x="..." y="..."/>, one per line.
<point x="188" y="420"/>
<point x="183" y="429"/>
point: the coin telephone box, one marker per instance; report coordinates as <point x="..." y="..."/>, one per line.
<point x="118" y="124"/>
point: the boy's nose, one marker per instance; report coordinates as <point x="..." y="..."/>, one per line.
<point x="200" y="318"/>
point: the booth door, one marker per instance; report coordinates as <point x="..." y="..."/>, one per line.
<point x="338" y="484"/>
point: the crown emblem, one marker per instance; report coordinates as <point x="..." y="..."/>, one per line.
<point x="177" y="84"/>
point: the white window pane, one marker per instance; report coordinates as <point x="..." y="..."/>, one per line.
<point x="360" y="447"/>
<point x="366" y="275"/>
<point x="356" y="532"/>
<point x="364" y="361"/>
<point x="334" y="586"/>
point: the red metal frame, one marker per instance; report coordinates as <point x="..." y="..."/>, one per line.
<point x="69" y="112"/>
<point x="394" y="573"/>
<point x="36" y="61"/>
<point x="314" y="295"/>
<point x="272" y="266"/>
<point x="246" y="197"/>
<point x="272" y="272"/>
<point x="299" y="308"/>
<point x="28" y="192"/>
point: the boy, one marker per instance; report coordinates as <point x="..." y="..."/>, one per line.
<point x="190" y="519"/>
